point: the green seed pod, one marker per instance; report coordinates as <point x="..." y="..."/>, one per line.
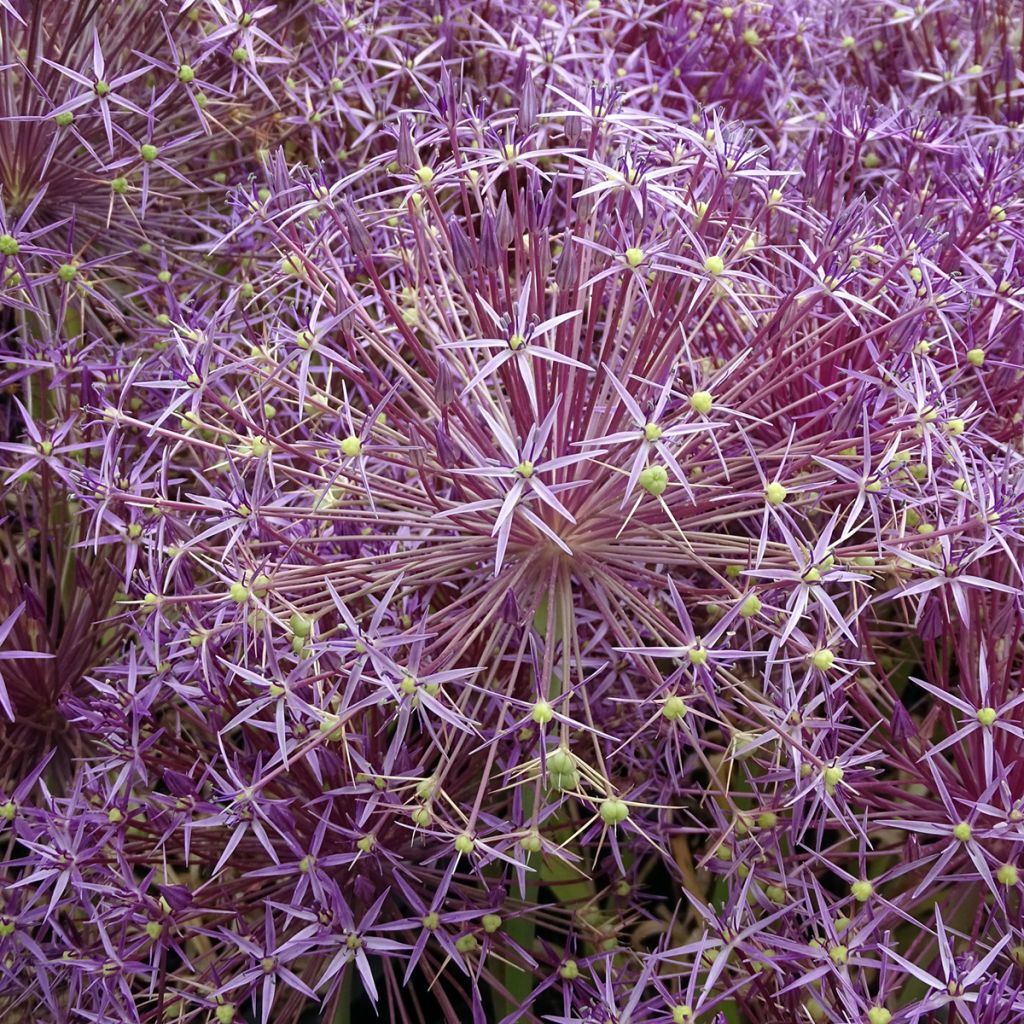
<point x="613" y="811"/>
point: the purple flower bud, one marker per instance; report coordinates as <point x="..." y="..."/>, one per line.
<point x="462" y="248"/>
<point x="358" y="237"/>
<point x="490" y="252"/>
<point x="445" y="98"/>
<point x="178" y="784"/>
<point x="511" y="612"/>
<point x="34" y="607"/>
<point x="1007" y="67"/>
<point x="444" y="385"/>
<point x="901" y="724"/>
<point x="540" y="240"/>
<point x="407" y="158"/>
<point x="545" y="202"/>
<point x="504" y="226"/>
<point x="178" y="897"/>
<point x="519" y="74"/>
<point x="447" y="451"/>
<point x="529" y="105"/>
<point x="573" y="129"/>
<point x="566" y="269"/>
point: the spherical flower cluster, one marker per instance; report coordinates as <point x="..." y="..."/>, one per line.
<point x="511" y="513"/>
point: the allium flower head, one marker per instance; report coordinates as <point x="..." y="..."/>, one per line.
<point x="511" y="514"/>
